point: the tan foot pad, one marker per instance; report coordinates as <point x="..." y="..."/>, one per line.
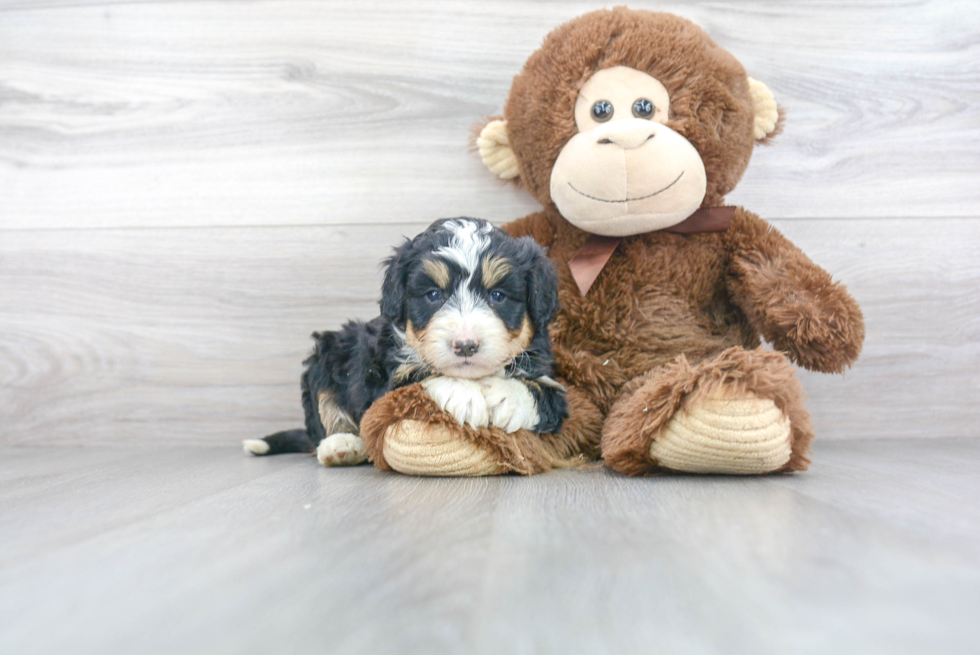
<point x="725" y="435"/>
<point x="419" y="448"/>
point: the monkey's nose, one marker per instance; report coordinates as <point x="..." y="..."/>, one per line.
<point x="627" y="133"/>
<point x="465" y="348"/>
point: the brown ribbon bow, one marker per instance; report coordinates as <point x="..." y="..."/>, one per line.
<point x="589" y="261"/>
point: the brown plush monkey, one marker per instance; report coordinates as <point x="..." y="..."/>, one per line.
<point x="630" y="127"/>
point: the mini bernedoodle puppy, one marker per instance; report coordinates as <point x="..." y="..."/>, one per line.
<point x="465" y="309"/>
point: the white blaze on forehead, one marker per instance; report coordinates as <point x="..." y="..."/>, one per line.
<point x="465" y="302"/>
<point x="469" y="241"/>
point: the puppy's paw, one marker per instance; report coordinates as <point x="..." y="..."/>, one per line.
<point x="341" y="449"/>
<point x="510" y="404"/>
<point x="462" y="399"/>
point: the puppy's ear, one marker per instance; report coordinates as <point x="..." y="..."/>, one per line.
<point x="541" y="283"/>
<point x="393" y="288"/>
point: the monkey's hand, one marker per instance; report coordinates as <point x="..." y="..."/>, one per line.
<point x="791" y="301"/>
<point x="462" y="399"/>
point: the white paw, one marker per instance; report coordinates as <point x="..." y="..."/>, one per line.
<point x="255" y="446"/>
<point x="462" y="399"/>
<point x="511" y="405"/>
<point x="341" y="449"/>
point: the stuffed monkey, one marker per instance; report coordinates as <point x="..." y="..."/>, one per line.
<point x="630" y="127"/>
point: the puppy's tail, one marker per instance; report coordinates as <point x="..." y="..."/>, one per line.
<point x="288" y="441"/>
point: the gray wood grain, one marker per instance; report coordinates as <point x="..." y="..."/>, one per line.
<point x="174" y="334"/>
<point x="187" y="190"/>
<point x="196" y="335"/>
<point x="306" y="112"/>
<point x="206" y="550"/>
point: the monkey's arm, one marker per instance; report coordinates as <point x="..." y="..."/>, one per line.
<point x="791" y="301"/>
<point x="536" y="225"/>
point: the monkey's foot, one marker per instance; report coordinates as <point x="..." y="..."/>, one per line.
<point x="420" y="448"/>
<point x="739" y="412"/>
<point x="718" y="434"/>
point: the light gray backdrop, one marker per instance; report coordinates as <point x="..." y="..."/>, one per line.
<point x="188" y="189"/>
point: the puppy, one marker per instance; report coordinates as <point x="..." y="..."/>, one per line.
<point x="464" y="311"/>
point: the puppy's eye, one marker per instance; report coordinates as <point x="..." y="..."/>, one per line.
<point x="642" y="108"/>
<point x="497" y="296"/>
<point x="602" y="110"/>
<point x="434" y="296"/>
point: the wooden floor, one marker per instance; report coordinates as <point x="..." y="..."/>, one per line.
<point x="207" y="550"/>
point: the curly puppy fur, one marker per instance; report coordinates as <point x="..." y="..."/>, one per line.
<point x="461" y="300"/>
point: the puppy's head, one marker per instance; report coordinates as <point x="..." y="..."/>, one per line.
<point x="469" y="297"/>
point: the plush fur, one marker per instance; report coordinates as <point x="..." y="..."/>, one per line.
<point x="463" y="300"/>
<point x="659" y="394"/>
<point x="709" y="92"/>
<point x="523" y="452"/>
<point x="688" y="295"/>
<point x="672" y="318"/>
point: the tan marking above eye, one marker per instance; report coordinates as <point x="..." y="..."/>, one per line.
<point x="494" y="270"/>
<point x="437" y="271"/>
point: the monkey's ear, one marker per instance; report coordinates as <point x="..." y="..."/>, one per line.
<point x="494" y="148"/>
<point x="768" y="117"/>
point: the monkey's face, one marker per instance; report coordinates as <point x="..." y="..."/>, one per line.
<point x="627" y="121"/>
<point x="626" y="171"/>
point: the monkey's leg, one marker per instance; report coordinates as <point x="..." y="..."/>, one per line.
<point x="406" y="431"/>
<point x="740" y="412"/>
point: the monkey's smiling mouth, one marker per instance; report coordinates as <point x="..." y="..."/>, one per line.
<point x="628" y="199"/>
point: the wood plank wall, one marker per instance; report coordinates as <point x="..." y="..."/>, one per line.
<point x="188" y="189"/>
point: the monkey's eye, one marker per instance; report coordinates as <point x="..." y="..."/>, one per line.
<point x="434" y="296"/>
<point x="497" y="296"/>
<point x="642" y="108"/>
<point x="602" y="110"/>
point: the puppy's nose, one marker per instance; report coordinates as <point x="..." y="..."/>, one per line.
<point x="465" y="348"/>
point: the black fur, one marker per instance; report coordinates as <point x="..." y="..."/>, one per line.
<point x="552" y="408"/>
<point x="357" y="363"/>
<point x="290" y="441"/>
<point x="351" y="363"/>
